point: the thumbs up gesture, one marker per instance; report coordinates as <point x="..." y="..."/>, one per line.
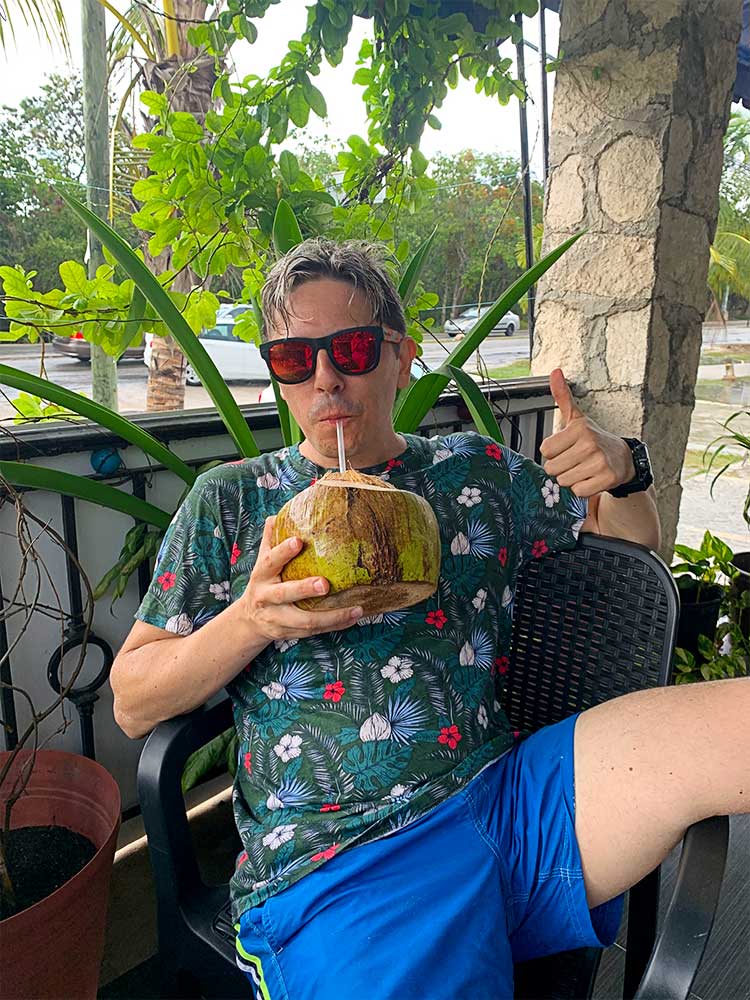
<point x="580" y="454"/>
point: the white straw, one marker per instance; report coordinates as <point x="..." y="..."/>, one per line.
<point x="340" y="440"/>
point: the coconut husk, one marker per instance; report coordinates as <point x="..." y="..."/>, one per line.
<point x="378" y="547"/>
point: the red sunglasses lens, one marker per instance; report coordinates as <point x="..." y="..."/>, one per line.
<point x="355" y="351"/>
<point x="290" y="361"/>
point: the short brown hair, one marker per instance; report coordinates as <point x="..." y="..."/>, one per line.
<point x="363" y="265"/>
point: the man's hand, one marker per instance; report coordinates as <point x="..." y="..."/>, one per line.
<point x="269" y="604"/>
<point x="581" y="455"/>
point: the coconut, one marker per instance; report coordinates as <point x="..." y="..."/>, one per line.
<point x="377" y="546"/>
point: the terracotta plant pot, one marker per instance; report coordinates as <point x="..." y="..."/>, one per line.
<point x="54" y="948"/>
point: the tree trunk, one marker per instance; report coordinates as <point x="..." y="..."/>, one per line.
<point x="188" y="91"/>
<point x="95" y="108"/>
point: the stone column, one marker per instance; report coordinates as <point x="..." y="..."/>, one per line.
<point x="641" y="104"/>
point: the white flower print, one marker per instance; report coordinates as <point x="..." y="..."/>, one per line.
<point x="377" y="727"/>
<point x="466" y="657"/>
<point x="274" y="802"/>
<point x="268" y="482"/>
<point x="288" y="747"/>
<point x="399" y="791"/>
<point x="220" y="590"/>
<point x="482" y="717"/>
<point x="480" y="600"/>
<point x="397" y="669"/>
<point x="469" y="496"/>
<point x="217" y="532"/>
<point x="283" y="644"/>
<point x="440" y="455"/>
<point x="279" y="835"/>
<point x="496" y="705"/>
<point x="551" y="493"/>
<point x="282" y="454"/>
<point x="460" y="545"/>
<point x="507" y="597"/>
<point x="179" y="625"/>
<point x="274" y="690"/>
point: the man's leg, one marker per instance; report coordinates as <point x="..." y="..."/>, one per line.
<point x="650" y="764"/>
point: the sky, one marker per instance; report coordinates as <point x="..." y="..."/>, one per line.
<point x="469" y="120"/>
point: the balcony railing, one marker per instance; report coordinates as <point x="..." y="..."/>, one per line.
<point x="35" y="659"/>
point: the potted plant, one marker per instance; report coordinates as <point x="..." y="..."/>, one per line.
<point x="59" y="818"/>
<point x="702" y="579"/>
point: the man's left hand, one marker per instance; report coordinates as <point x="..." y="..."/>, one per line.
<point x="580" y="454"/>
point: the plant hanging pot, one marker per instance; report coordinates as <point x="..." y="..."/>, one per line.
<point x="54" y="948"/>
<point x="741" y="583"/>
<point x="698" y="617"/>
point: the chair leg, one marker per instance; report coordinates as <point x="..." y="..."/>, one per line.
<point x="643" y="913"/>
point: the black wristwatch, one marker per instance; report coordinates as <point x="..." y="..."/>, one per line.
<point x="643" y="477"/>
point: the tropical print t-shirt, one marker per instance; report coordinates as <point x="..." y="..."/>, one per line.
<point x="348" y="736"/>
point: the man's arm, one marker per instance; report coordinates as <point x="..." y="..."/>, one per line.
<point x="157" y="675"/>
<point x="591" y="461"/>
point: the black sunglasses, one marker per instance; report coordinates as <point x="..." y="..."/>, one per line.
<point x="354" y="351"/>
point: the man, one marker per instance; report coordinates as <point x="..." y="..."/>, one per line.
<point x="399" y="839"/>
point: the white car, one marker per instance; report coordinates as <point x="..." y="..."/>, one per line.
<point x="463" y="323"/>
<point x="235" y="359"/>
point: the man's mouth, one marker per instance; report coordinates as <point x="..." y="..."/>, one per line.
<point x="332" y="418"/>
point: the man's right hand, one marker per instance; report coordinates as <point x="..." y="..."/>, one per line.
<point x="269" y="603"/>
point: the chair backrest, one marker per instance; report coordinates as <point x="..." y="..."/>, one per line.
<point x="589" y="624"/>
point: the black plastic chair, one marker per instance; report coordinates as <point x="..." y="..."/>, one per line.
<point x="589" y="625"/>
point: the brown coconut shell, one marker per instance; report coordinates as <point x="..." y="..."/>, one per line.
<point x="378" y="547"/>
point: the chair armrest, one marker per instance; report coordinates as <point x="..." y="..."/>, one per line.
<point x="690" y="915"/>
<point x="160" y="770"/>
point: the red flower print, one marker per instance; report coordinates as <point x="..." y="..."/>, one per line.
<point x="325" y="855"/>
<point x="516" y="733"/>
<point x="166" y="580"/>
<point x="493" y="451"/>
<point x="334" y="692"/>
<point x="242" y="859"/>
<point x="314" y="480"/>
<point x="235" y="553"/>
<point x="539" y="548"/>
<point x="450" y="735"/>
<point x="247" y="762"/>
<point x="393" y="463"/>
<point x="239" y="461"/>
<point x="503" y="555"/>
<point x="330" y="807"/>
<point x="501" y="665"/>
<point x="436" y="618"/>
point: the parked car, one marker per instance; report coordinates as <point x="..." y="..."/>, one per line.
<point x="418" y="367"/>
<point x="235" y="359"/>
<point x="463" y="323"/>
<point x="75" y="346"/>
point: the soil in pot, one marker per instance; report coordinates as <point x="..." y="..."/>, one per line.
<point x="41" y="859"/>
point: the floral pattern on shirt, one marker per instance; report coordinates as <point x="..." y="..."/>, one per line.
<point x="346" y="737"/>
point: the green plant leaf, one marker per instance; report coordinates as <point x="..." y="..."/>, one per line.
<point x="101" y="415"/>
<point x="206" y="759"/>
<point x="175" y="322"/>
<point x="37" y="477"/>
<point x="410" y="277"/>
<point x="288" y="167"/>
<point x="480" y="409"/>
<point x="136" y="315"/>
<point x="286" y="231"/>
<point x="417" y="401"/>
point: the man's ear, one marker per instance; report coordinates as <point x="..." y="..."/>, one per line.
<point x="407" y="353"/>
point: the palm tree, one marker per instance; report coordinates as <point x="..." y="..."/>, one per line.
<point x="729" y="266"/>
<point x="46" y="16"/>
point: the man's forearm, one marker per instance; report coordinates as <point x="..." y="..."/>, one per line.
<point x="173" y="676"/>
<point x="634" y="518"/>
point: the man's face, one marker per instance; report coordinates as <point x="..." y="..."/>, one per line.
<point x="316" y="309"/>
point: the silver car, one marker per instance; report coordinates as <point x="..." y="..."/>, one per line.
<point x="463" y="323"/>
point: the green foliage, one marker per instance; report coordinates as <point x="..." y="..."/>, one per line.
<point x="717" y="451"/>
<point x="707" y="566"/>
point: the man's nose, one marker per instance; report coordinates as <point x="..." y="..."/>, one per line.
<point x="327" y="378"/>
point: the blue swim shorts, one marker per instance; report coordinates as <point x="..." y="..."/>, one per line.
<point x="445" y="906"/>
